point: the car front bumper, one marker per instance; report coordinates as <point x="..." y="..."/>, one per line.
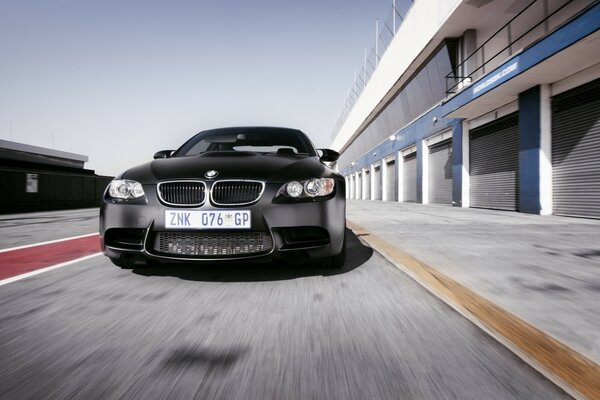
<point x="298" y="231"/>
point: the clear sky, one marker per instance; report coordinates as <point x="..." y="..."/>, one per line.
<point x="118" y="80"/>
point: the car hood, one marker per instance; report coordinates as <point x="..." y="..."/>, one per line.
<point x="268" y="167"/>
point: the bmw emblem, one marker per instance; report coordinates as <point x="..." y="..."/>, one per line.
<point x="211" y="174"/>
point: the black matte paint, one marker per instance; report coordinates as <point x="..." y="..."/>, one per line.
<point x="267" y="215"/>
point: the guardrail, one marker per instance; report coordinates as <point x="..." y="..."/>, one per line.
<point x="384" y="33"/>
<point x="534" y="21"/>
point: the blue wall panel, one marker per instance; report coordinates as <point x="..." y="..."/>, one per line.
<point x="529" y="151"/>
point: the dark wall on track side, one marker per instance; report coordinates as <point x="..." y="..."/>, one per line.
<point x="49" y="190"/>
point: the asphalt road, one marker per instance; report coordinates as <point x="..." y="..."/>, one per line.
<point x="94" y="331"/>
<point x="24" y="229"/>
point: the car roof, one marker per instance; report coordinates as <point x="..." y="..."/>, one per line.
<point x="249" y="129"/>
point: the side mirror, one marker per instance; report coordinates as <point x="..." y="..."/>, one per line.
<point x="329" y="155"/>
<point x="163" y="154"/>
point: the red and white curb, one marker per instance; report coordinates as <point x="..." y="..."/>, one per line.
<point x="28" y="260"/>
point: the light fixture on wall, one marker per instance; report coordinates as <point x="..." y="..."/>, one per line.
<point x="392" y="137"/>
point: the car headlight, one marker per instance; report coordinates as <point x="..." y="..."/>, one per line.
<point x="307" y="189"/>
<point x="125" y="189"/>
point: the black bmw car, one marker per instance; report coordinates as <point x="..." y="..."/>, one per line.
<point x="230" y="194"/>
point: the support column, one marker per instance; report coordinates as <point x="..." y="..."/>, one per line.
<point x="458" y="159"/>
<point x="468" y="47"/>
<point x="347" y="186"/>
<point x="424" y="160"/>
<point x="465" y="175"/>
<point x="363" y="185"/>
<point x="350" y="186"/>
<point x="535" y="169"/>
<point x="372" y="181"/>
<point x="421" y="171"/>
<point x="383" y="169"/>
<point x="546" y="183"/>
<point x="400" y="175"/>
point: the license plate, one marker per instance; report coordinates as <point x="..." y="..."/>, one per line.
<point x="214" y="219"/>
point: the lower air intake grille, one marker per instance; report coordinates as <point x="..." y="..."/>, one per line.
<point x="213" y="244"/>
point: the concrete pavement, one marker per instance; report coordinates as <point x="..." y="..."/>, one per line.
<point x="367" y="331"/>
<point x="544" y="270"/>
<point x="95" y="331"/>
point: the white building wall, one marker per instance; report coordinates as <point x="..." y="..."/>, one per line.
<point x="417" y="30"/>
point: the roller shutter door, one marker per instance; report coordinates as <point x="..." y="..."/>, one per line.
<point x="576" y="151"/>
<point x="377" y="183"/>
<point x="440" y="172"/>
<point x="367" y="185"/>
<point x="409" y="178"/>
<point x="494" y="164"/>
<point x="359" y="187"/>
<point x="392" y="183"/>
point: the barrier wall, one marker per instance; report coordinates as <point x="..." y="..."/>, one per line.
<point x="28" y="191"/>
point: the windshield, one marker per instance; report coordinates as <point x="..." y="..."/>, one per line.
<point x="256" y="140"/>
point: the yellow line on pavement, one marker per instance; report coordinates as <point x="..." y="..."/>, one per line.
<point x="571" y="368"/>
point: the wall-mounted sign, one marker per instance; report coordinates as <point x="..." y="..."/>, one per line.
<point x="494" y="78"/>
<point x="31" y="183"/>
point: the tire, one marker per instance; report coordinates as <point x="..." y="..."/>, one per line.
<point x="337" y="261"/>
